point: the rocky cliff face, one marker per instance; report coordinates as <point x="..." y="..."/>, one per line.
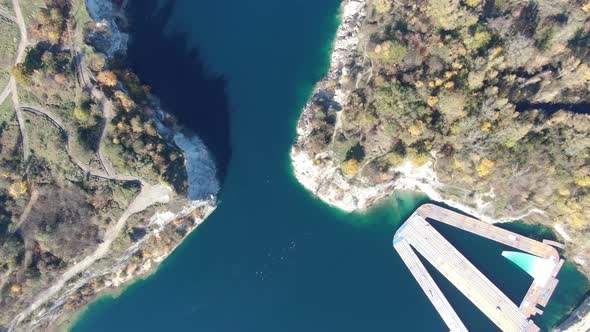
<point x="319" y="172"/>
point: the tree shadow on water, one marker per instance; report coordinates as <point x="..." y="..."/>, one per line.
<point x="179" y="78"/>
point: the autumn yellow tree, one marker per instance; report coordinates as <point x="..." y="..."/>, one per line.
<point x="382" y="6"/>
<point x="107" y="78"/>
<point x="350" y="167"/>
<point x="485" y="167"/>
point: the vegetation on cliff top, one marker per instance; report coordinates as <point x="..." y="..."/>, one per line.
<point x="72" y="152"/>
<point x="498" y="89"/>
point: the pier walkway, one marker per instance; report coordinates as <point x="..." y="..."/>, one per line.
<point x="430" y="288"/>
<point x="419" y="235"/>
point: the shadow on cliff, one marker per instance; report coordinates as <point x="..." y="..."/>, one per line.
<point x="179" y="78"/>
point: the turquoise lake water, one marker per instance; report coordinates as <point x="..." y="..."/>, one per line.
<point x="272" y="258"/>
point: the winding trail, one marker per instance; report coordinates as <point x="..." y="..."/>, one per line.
<point x="59" y="125"/>
<point x="11" y="86"/>
<point x="149" y="194"/>
<point x="85" y="77"/>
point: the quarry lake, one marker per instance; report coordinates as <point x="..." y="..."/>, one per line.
<point x="271" y="257"/>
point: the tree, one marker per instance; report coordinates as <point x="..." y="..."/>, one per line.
<point x="485" y="167"/>
<point x="20" y="74"/>
<point x="583" y="181"/>
<point x="447" y="15"/>
<point x="472" y="3"/>
<point x="350" y="167"/>
<point x="97" y="62"/>
<point x="417" y="158"/>
<point x="382" y="6"/>
<point x="389" y="52"/>
<point x="136" y="124"/>
<point x="17" y="189"/>
<point x="107" y="78"/>
<point x="480" y="38"/>
<point x="451" y="105"/>
<point x="520" y="51"/>
<point x="125" y="101"/>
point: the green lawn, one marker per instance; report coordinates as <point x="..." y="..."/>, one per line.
<point x="45" y="141"/>
<point x="6" y="111"/>
<point x="30" y="8"/>
<point x="6" y="7"/>
<point x="9" y="37"/>
<point x="81" y="16"/>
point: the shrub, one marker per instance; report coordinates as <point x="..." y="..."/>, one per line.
<point x="520" y="51"/>
<point x="451" y="105"/>
<point x="350" y="167"/>
<point x="472" y="3"/>
<point x="479" y="39"/>
<point x="382" y="6"/>
<point x="97" y="62"/>
<point x="389" y="53"/>
<point x="447" y="15"/>
<point x="81" y="115"/>
<point x="417" y="158"/>
<point x="21" y="75"/>
<point x="107" y="78"/>
<point x="485" y="167"/>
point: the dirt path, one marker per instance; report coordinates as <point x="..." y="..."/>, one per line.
<point x="29" y="243"/>
<point x="22" y="45"/>
<point x="27" y="211"/>
<point x="6" y="91"/>
<point x="85" y="78"/>
<point x="24" y="41"/>
<point x="57" y="123"/>
<point x="148" y="196"/>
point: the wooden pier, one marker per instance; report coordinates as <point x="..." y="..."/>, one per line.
<point x="430" y="288"/>
<point x="417" y="234"/>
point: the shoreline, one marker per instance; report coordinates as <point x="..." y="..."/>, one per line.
<point x="168" y="223"/>
<point x="320" y="175"/>
<point x="67" y="321"/>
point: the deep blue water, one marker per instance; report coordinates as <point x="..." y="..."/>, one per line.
<point x="272" y="258"/>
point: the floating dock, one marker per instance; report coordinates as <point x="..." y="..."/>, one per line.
<point x="417" y="234"/>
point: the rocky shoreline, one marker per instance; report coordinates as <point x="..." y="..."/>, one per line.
<point x="321" y="174"/>
<point x="166" y="224"/>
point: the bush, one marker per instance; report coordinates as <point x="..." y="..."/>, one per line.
<point x="97" y="62"/>
<point x="447" y="15"/>
<point x="479" y="39"/>
<point x="520" y="51"/>
<point x="451" y="105"/>
<point x="350" y="167"/>
<point x="472" y="3"/>
<point x="382" y="6"/>
<point x="417" y="158"/>
<point x="389" y="53"/>
<point x="107" y="78"/>
<point x="485" y="167"/>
